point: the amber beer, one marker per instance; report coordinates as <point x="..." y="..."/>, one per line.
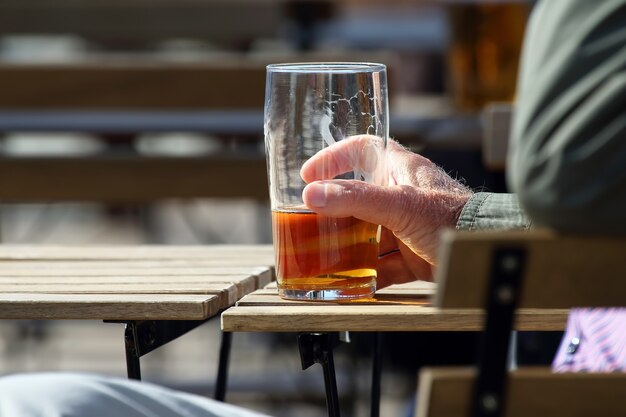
<point x="486" y="39"/>
<point x="315" y="252"/>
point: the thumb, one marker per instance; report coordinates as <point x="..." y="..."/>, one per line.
<point x="386" y="206"/>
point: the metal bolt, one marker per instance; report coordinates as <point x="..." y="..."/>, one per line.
<point x="509" y="263"/>
<point x="504" y="294"/>
<point x="490" y="403"/>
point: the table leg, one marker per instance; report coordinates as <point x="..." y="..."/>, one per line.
<point x="222" y="370"/>
<point x="376" y="374"/>
<point x="133" y="368"/>
<point x="318" y="348"/>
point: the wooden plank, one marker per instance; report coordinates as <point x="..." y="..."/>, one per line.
<point x="227" y="292"/>
<point x="252" y="262"/>
<point x="415" y="289"/>
<point x="376" y="316"/>
<point x="559" y="272"/>
<point x="123" y="278"/>
<point x="235" y="129"/>
<point x="129" y="84"/>
<point x="258" y="277"/>
<point x="121" y="288"/>
<point x="140" y="82"/>
<point x="418" y="287"/>
<point x="142" y="21"/>
<point x="7" y="274"/>
<point x="269" y="297"/>
<point x="531" y="392"/>
<point x="236" y="286"/>
<point x="172" y="265"/>
<point x="135" y="179"/>
<point x="136" y="279"/>
<point x="108" y="306"/>
<point x="229" y="255"/>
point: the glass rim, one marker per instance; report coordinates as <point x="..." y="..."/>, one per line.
<point x="326" y="67"/>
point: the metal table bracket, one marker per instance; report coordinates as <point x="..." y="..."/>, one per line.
<point x="142" y="337"/>
<point x="318" y="348"/>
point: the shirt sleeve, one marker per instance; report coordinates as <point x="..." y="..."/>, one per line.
<point x="486" y="211"/>
<point x="567" y="160"/>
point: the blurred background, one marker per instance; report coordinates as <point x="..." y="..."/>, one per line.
<point x="140" y="122"/>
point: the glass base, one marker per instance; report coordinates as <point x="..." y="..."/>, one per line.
<point x="364" y="290"/>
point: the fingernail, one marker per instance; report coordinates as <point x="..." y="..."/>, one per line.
<point x="316" y="195"/>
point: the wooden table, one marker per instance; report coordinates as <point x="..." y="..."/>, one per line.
<point x="403" y="307"/>
<point x="399" y="308"/>
<point x="159" y="292"/>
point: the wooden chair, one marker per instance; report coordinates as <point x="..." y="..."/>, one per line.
<point x="498" y="119"/>
<point x="506" y="271"/>
<point x="119" y="97"/>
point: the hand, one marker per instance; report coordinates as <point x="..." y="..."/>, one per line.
<point x="419" y="201"/>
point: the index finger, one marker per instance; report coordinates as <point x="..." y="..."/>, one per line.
<point x="357" y="153"/>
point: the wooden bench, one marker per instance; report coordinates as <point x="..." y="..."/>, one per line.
<point x="502" y="272"/>
<point x="119" y="97"/>
<point x="70" y="92"/>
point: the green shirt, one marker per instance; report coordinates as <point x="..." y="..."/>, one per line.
<point x="567" y="161"/>
<point x="493" y="211"/>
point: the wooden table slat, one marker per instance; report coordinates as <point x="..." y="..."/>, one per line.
<point x="227" y="292"/>
<point x="262" y="275"/>
<point x="268" y="297"/>
<point x="236" y="254"/>
<point x="114" y="268"/>
<point x="108" y="306"/>
<point x="121" y="278"/>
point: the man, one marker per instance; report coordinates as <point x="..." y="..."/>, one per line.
<point x="567" y="166"/>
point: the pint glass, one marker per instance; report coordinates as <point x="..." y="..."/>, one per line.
<point x="309" y="107"/>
